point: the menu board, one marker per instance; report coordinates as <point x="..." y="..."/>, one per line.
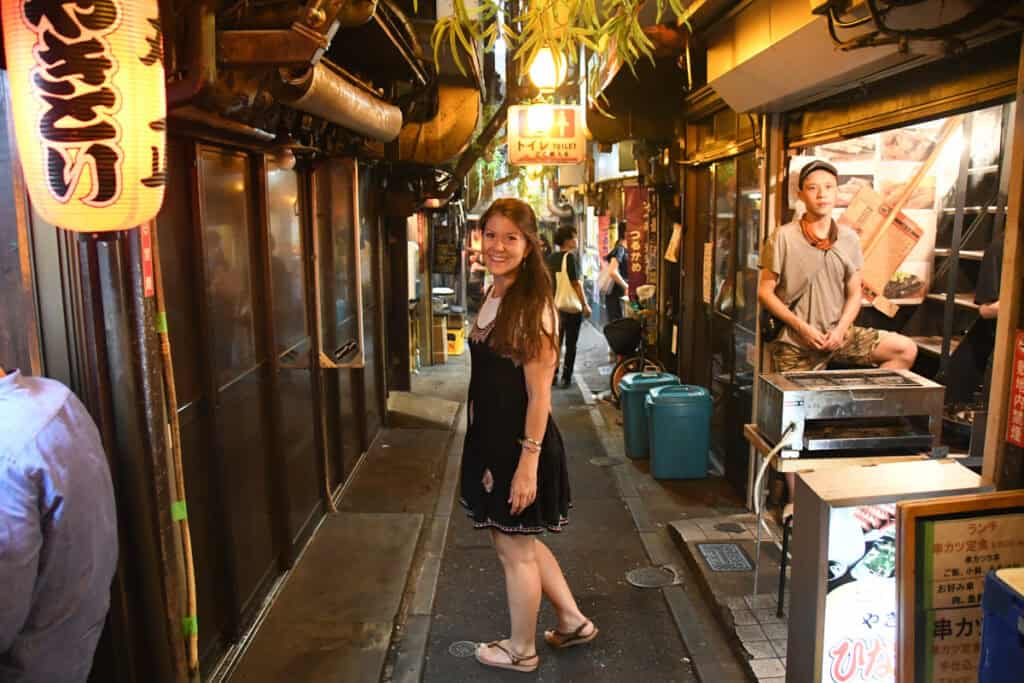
<point x="951" y="543"/>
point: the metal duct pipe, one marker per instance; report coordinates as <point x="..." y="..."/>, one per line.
<point x="563" y="210"/>
<point x="324" y="93"/>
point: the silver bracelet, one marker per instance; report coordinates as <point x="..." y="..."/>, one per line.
<point x="530" y="444"/>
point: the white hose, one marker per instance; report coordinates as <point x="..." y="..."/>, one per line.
<point x="757" y="500"/>
<point x="764" y="468"/>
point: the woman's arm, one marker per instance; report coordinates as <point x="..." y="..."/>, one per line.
<point x="539" y="372"/>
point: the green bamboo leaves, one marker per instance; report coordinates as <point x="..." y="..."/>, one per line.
<point x="563" y="26"/>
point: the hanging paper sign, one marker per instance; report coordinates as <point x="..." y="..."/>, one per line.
<point x="1015" y="415"/>
<point x="146" y="241"/>
<point x="87" y="93"/>
<point x="549" y="134"/>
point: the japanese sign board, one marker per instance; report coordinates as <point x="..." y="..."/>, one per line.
<point x="636" y="211"/>
<point x="951" y="543"/>
<point x="549" y="134"/>
<point x="1015" y="414"/>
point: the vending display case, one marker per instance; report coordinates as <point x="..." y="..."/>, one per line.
<point x="843" y="613"/>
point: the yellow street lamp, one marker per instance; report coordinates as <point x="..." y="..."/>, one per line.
<point x="548" y="71"/>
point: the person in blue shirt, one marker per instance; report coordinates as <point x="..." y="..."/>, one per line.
<point x="58" y="533"/>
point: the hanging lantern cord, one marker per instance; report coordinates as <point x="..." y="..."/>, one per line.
<point x="171" y="398"/>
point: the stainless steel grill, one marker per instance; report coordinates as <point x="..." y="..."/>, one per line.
<point x="850" y="410"/>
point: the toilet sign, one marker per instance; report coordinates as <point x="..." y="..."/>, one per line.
<point x="547" y="134"/>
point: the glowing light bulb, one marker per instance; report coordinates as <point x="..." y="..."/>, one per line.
<point x="547" y="72"/>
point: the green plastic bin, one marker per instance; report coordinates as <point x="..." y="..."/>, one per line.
<point x="679" y="424"/>
<point x="633" y="390"/>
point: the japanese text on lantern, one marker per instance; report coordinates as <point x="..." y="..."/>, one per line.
<point x="89" y="108"/>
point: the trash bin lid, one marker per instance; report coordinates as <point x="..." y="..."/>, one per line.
<point x="677" y="395"/>
<point x="642" y="380"/>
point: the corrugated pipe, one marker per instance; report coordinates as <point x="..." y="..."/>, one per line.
<point x="563" y="210"/>
<point x="324" y="93"/>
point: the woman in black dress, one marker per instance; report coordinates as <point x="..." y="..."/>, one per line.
<point x="514" y="477"/>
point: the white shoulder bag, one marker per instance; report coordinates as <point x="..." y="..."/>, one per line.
<point x="566" y="300"/>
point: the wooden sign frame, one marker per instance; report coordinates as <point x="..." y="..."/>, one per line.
<point x="908" y="514"/>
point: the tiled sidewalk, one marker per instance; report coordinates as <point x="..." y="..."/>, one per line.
<point x="760" y="634"/>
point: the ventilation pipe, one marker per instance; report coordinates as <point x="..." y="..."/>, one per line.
<point x="556" y="209"/>
<point x="322" y="92"/>
<point x="447" y="135"/>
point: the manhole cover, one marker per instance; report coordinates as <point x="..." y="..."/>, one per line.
<point x="652" y="577"/>
<point x="462" y="648"/>
<point x="605" y="461"/>
<point x="725" y="557"/>
<point x="730" y="528"/>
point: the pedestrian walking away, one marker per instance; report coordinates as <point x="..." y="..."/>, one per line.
<point x="569" y="300"/>
<point x="514" y="478"/>
<point x="617" y="273"/>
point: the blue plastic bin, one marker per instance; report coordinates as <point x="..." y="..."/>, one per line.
<point x="679" y="424"/>
<point x="633" y="390"/>
<point x="1002" y="631"/>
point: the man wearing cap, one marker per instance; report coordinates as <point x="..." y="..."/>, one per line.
<point x="811" y="282"/>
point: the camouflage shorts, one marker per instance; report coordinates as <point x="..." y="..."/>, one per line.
<point x="860" y="343"/>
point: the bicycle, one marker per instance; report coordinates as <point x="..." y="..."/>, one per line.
<point x="627" y="338"/>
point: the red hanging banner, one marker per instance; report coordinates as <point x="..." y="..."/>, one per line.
<point x="636" y="237"/>
<point x="1015" y="415"/>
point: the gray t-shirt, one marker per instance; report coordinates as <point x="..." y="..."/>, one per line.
<point x="788" y="254"/>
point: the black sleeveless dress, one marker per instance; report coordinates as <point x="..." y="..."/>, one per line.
<point x="497" y="393"/>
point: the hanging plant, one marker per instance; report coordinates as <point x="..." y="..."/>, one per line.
<point x="563" y="26"/>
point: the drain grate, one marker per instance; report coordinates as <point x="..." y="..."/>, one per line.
<point x="725" y="557"/>
<point x="462" y="649"/>
<point x="605" y="461"/>
<point x="652" y="577"/>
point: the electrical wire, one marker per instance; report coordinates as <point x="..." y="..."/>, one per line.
<point x="854" y="23"/>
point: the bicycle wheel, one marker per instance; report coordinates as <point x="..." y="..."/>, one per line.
<point x="632" y="364"/>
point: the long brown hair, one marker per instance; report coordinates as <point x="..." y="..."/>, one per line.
<point x="519" y="327"/>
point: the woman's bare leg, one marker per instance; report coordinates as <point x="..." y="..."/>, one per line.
<point x="557" y="590"/>
<point x="523" y="585"/>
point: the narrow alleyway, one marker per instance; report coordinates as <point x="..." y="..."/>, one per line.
<point x="398" y="578"/>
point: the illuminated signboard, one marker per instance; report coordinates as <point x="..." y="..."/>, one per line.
<point x="548" y="134"/>
<point x="87" y="93"/>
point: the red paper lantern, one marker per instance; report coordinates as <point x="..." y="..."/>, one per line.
<point x="87" y="93"/>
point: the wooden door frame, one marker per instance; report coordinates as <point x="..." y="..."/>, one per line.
<point x="996" y="468"/>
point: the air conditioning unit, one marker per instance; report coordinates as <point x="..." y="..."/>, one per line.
<point x="777" y="55"/>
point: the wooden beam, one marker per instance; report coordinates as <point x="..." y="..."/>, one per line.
<point x="1009" y="305"/>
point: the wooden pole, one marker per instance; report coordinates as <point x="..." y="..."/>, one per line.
<point x="1009" y="305"/>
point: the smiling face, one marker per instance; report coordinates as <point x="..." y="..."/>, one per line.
<point x="819" y="194"/>
<point x="504" y="246"/>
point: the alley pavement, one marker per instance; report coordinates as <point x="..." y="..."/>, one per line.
<point x="397" y="585"/>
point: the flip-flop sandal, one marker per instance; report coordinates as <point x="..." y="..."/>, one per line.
<point x="515" y="662"/>
<point x="557" y="639"/>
